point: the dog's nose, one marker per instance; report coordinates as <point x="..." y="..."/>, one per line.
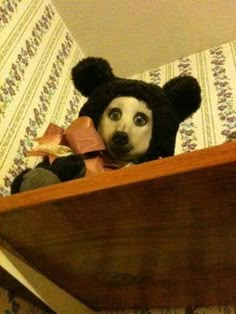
<point x="120" y="138"/>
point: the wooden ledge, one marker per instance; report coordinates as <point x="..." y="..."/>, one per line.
<point x="198" y="160"/>
<point x="162" y="233"/>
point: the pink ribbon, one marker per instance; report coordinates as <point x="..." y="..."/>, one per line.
<point x="81" y="137"/>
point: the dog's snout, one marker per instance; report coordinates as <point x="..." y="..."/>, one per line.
<point x="120" y="138"/>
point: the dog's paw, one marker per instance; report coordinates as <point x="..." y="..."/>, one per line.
<point x="69" y="168"/>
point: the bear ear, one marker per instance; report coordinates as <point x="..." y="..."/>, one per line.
<point x="184" y="93"/>
<point x="89" y="73"/>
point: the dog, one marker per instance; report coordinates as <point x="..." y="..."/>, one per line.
<point x="126" y="128"/>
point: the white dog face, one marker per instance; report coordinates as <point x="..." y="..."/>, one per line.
<point x="126" y="128"/>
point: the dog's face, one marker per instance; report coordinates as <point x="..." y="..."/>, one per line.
<point x="126" y="128"/>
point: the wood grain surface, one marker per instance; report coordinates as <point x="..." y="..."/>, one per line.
<point x="158" y="234"/>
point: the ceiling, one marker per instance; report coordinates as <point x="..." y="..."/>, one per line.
<point x="138" y="35"/>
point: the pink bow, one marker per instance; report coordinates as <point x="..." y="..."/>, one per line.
<point x="80" y="138"/>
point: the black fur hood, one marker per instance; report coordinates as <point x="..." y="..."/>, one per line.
<point x="170" y="105"/>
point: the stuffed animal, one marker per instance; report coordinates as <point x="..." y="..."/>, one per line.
<point x="137" y="122"/>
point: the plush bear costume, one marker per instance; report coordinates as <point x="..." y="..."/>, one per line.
<point x="94" y="78"/>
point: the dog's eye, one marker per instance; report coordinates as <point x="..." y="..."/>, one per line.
<point x="140" y="119"/>
<point x="115" y="114"/>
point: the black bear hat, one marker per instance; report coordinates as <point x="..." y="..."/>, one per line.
<point x="170" y="105"/>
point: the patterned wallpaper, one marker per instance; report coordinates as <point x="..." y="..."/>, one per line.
<point x="10" y="304"/>
<point x="215" y="70"/>
<point x="225" y="309"/>
<point x="36" y="56"/>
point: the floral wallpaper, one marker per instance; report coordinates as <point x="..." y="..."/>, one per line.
<point x="215" y="70"/>
<point x="11" y="304"/>
<point x="225" y="309"/>
<point x="36" y="55"/>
